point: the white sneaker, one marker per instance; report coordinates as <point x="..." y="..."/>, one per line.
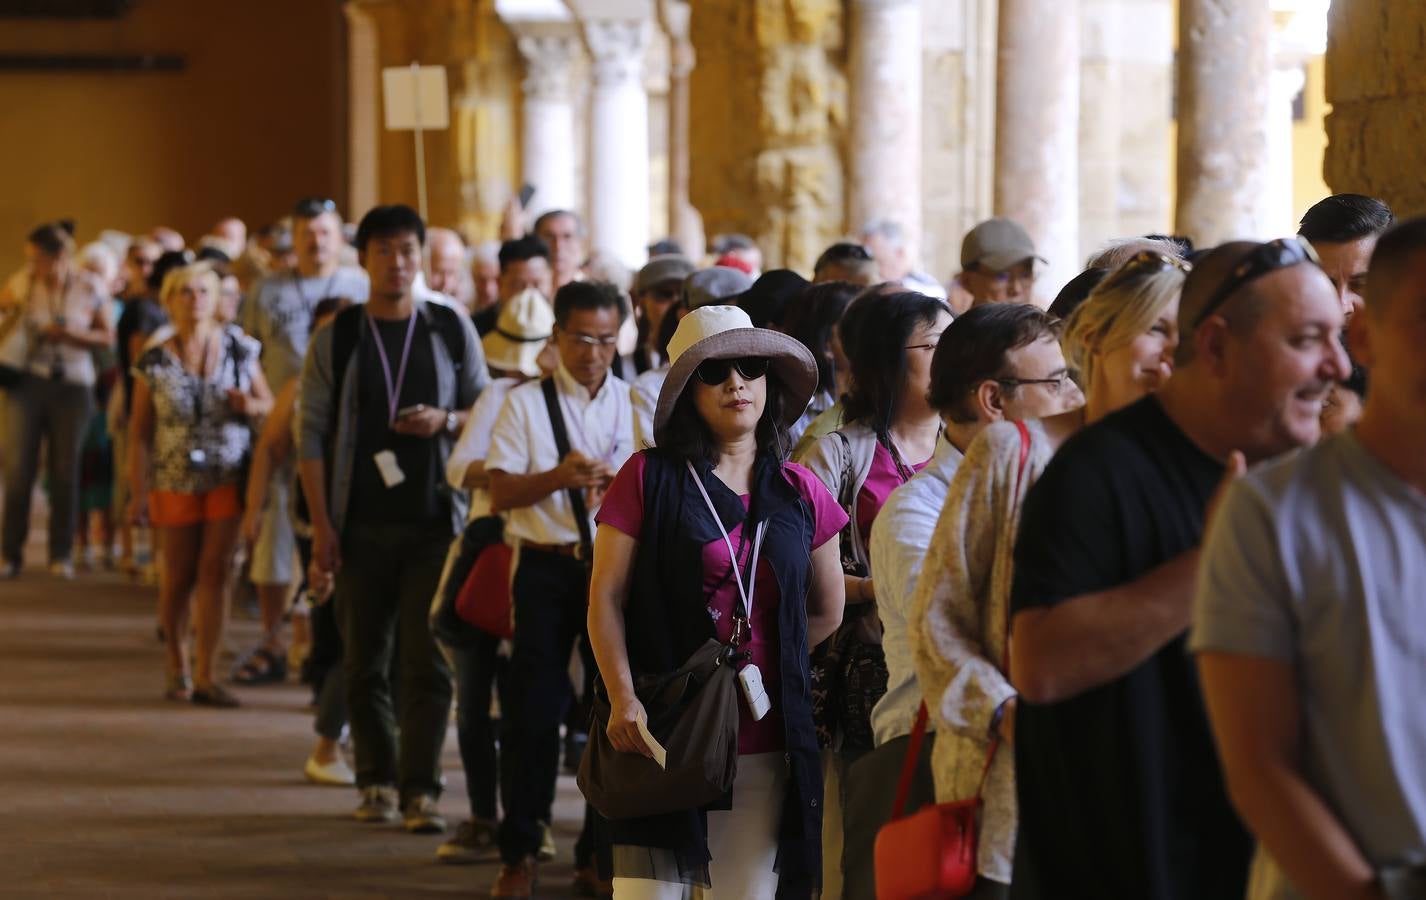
<point x="336" y="772"/>
<point x="62" y="568"/>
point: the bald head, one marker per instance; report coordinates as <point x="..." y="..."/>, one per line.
<point x="446" y="267"/>
<point x="1201" y="289"/>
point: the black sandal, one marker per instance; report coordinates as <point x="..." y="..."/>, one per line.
<point x="262" y="666"/>
<point x="215" y="695"/>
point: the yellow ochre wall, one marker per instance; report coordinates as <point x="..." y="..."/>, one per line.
<point x="253" y="122"/>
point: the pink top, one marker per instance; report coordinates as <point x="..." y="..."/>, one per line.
<point x="623" y="509"/>
<point x="880" y="482"/>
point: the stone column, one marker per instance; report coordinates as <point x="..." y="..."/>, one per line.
<point x="684" y="223"/>
<point x="1278" y="210"/>
<point x="1100" y="122"/>
<point x="1037" y="131"/>
<point x="885" y="82"/>
<point x="1224" y="78"/>
<point x="619" y="140"/>
<point x="363" y="119"/>
<point x="547" y="138"/>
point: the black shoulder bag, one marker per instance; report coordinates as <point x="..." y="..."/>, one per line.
<point x="585" y="554"/>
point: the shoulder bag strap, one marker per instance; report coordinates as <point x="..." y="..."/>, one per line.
<point x="576" y="496"/>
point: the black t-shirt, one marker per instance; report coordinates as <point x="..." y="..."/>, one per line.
<point x="421" y="496"/>
<point x="143" y="316"/>
<point x="486" y="319"/>
<point x="1120" y="792"/>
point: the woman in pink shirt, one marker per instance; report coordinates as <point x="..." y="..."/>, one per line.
<point x="714" y="535"/>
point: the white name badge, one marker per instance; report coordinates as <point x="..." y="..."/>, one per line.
<point x="751" y="678"/>
<point x="386" y="464"/>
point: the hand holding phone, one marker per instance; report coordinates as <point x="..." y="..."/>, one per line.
<point x="405" y="411"/>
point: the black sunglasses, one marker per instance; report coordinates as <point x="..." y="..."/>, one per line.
<point x="714" y="372"/>
<point x="1279" y="254"/>
<point x="312" y="207"/>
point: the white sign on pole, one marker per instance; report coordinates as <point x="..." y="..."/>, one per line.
<point x="416" y="101"/>
<point x="415" y="98"/>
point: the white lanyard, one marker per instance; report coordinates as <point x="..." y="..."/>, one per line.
<point x="747" y="595"/>
<point x="393" y="391"/>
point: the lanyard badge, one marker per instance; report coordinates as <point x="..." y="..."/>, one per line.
<point x="750" y="678"/>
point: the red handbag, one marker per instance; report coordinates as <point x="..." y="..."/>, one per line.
<point x="931" y="855"/>
<point x="484" y="598"/>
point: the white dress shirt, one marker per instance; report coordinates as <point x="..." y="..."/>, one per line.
<point x="645" y="397"/>
<point x="523" y="443"/>
<point x="474" y="443"/>
<point x="899" y="539"/>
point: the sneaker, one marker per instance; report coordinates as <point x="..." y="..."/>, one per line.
<point x="517" y="881"/>
<point x="474" y="841"/>
<point x="422" y="817"/>
<point x="336" y="772"/>
<point x="62" y="568"/>
<point x="587" y="883"/>
<point x="378" y="804"/>
<point x="547" y="849"/>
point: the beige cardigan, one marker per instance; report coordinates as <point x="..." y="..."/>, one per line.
<point x="958" y="628"/>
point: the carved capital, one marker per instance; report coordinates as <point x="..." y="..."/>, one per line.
<point x="617" y="48"/>
<point x="548" y="60"/>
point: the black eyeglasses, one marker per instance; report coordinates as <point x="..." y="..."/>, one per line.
<point x="1055" y="384"/>
<point x="1279" y="254"/>
<point x="312" y="207"/>
<point x="714" y="372"/>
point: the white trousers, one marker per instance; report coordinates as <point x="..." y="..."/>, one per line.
<point x="742" y="841"/>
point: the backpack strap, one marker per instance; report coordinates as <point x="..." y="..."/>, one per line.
<point x="576" y="496"/>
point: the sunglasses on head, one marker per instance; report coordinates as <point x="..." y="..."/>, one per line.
<point x="1279" y="254"/>
<point x="714" y="372"/>
<point x="312" y="207"/>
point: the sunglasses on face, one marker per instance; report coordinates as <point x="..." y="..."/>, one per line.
<point x="714" y="372"/>
<point x="1279" y="254"/>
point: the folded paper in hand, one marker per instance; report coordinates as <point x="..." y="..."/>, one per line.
<point x="660" y="754"/>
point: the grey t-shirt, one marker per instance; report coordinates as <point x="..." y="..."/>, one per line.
<point x="278" y="312"/>
<point x="1319" y="560"/>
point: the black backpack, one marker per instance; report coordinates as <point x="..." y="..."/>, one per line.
<point x="346" y="332"/>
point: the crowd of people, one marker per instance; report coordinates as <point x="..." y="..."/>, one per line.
<point x="1142" y="564"/>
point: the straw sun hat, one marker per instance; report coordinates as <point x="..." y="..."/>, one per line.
<point x="525" y="324"/>
<point x="726" y="332"/>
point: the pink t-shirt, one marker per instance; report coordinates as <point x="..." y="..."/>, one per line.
<point x="880" y="482"/>
<point x="623" y="508"/>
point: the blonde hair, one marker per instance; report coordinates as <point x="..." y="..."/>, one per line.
<point x="1123" y="306"/>
<point x="181" y="277"/>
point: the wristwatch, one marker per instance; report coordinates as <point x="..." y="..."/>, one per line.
<point x="451" y="421"/>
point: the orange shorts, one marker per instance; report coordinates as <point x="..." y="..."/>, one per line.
<point x="171" y="509"/>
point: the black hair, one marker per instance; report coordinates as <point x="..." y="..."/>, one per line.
<point x="330" y="306"/>
<point x="1184" y="242"/>
<point x="52" y="238"/>
<point x="522" y="249"/>
<point x="766" y="302"/>
<point x="1076" y="291"/>
<point x="726" y="243"/>
<point x="813" y="319"/>
<point x="214" y="255"/>
<point x="587" y="295"/>
<point x="973" y="349"/>
<point x="167" y="262"/>
<point x="665" y="246"/>
<point x="555" y="214"/>
<point x="1345" y="217"/>
<point x="312" y="207"/>
<point x="666" y="329"/>
<point x="878" y="355"/>
<point x="843" y="253"/>
<point x="389" y="221"/>
<point x="686" y="435"/>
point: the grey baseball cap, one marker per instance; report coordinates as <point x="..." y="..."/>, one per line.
<point x="668" y="267"/>
<point x="711" y="286"/>
<point x="997" y="244"/>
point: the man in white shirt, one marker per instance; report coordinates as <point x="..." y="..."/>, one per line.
<point x="546" y="493"/>
<point x="987" y="343"/>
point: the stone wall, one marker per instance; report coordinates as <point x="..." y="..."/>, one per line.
<point x="768" y="125"/>
<point x="1377" y="88"/>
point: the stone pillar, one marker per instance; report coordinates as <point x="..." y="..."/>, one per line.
<point x="885" y="81"/>
<point x="363" y="121"/>
<point x="1102" y="107"/>
<point x="1288" y="80"/>
<point x="1377" y="88"/>
<point x="685" y="224"/>
<point x="1037" y="131"/>
<point x="547" y="139"/>
<point x="1224" y="77"/>
<point x="619" y="140"/>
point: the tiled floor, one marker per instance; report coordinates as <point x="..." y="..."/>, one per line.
<point x="107" y="790"/>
